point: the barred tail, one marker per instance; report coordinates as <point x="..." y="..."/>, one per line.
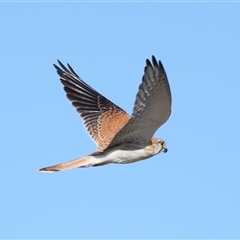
<point x="79" y="162"/>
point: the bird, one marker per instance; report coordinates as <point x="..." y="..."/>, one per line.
<point x="120" y="138"/>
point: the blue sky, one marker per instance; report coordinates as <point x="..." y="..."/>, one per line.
<point x="190" y="192"/>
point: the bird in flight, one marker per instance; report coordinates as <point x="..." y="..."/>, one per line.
<point x="120" y="138"/>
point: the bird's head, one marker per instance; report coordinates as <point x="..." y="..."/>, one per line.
<point x="159" y="145"/>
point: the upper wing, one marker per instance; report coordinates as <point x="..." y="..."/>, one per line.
<point x="152" y="106"/>
<point x="101" y="117"/>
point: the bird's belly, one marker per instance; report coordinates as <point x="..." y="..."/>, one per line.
<point x="126" y="156"/>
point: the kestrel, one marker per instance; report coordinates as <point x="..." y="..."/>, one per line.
<point x="120" y="138"/>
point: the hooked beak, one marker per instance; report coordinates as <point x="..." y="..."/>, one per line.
<point x="164" y="149"/>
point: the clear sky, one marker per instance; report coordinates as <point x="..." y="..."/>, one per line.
<point x="192" y="191"/>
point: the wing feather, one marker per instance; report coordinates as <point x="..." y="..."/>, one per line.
<point x="152" y="106"/>
<point x="102" y="118"/>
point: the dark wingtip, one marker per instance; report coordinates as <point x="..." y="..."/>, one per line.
<point x="62" y="68"/>
<point x="148" y="63"/>
<point x="56" y="67"/>
<point x="155" y="64"/>
<point x="160" y="64"/>
<point x="59" y="62"/>
<point x="71" y="70"/>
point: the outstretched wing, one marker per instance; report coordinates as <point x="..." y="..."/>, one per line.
<point x="152" y="106"/>
<point x="102" y="118"/>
